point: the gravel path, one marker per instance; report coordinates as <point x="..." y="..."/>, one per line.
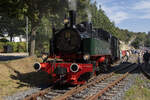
<point x="22" y="95"/>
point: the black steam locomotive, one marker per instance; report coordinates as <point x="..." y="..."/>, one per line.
<point x="84" y="51"/>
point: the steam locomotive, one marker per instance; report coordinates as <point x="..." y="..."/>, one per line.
<point x="83" y="51"/>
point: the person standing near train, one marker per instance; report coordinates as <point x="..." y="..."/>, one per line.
<point x="139" y="57"/>
<point x="146" y="57"/>
<point x="127" y="55"/>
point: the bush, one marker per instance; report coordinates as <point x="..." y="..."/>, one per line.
<point x="42" y="47"/>
<point x="4" y="40"/>
<point x="21" y="47"/>
<point x="1" y="46"/>
<point x="17" y="46"/>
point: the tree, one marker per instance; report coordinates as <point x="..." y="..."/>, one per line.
<point x="11" y="26"/>
<point x="139" y="41"/>
<point x="34" y="9"/>
<point x="147" y="41"/>
<point x="55" y="10"/>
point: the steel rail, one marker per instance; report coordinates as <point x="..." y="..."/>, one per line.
<point x="78" y="89"/>
<point x="109" y="86"/>
<point x="144" y="72"/>
<point x="35" y="95"/>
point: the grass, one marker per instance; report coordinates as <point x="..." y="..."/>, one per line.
<point x="138" y="91"/>
<point x="19" y="75"/>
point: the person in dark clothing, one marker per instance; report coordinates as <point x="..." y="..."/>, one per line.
<point x="146" y="57"/>
<point x="139" y="58"/>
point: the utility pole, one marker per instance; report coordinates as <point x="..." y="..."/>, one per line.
<point x="27" y="34"/>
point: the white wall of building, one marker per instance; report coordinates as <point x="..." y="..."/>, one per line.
<point x="15" y="38"/>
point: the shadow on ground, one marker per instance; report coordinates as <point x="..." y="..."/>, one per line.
<point x="42" y="79"/>
<point x="32" y="79"/>
<point x="123" y="65"/>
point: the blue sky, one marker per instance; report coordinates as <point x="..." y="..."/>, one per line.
<point x="133" y="15"/>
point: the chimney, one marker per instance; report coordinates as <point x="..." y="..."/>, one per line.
<point x="72" y="15"/>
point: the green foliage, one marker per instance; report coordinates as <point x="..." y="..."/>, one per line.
<point x="17" y="46"/>
<point x="12" y="26"/>
<point x="100" y="20"/>
<point x="136" y="43"/>
<point x="147" y="40"/>
<point x="1" y="46"/>
<point x="35" y="10"/>
<point x="21" y="47"/>
<point x="43" y="36"/>
<point x="3" y="40"/>
<point x="138" y="91"/>
<point x="139" y="41"/>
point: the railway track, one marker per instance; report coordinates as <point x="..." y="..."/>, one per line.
<point x="145" y="70"/>
<point x="104" y="86"/>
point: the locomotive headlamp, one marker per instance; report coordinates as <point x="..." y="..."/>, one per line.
<point x="74" y="67"/>
<point x="37" y="66"/>
<point x="86" y="57"/>
<point x="66" y="21"/>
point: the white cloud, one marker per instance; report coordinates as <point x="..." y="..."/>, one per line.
<point x="144" y="8"/>
<point x="115" y="14"/>
<point x="146" y="16"/>
<point x="142" y="5"/>
<point x="119" y="13"/>
<point x="133" y="11"/>
<point x="119" y="17"/>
